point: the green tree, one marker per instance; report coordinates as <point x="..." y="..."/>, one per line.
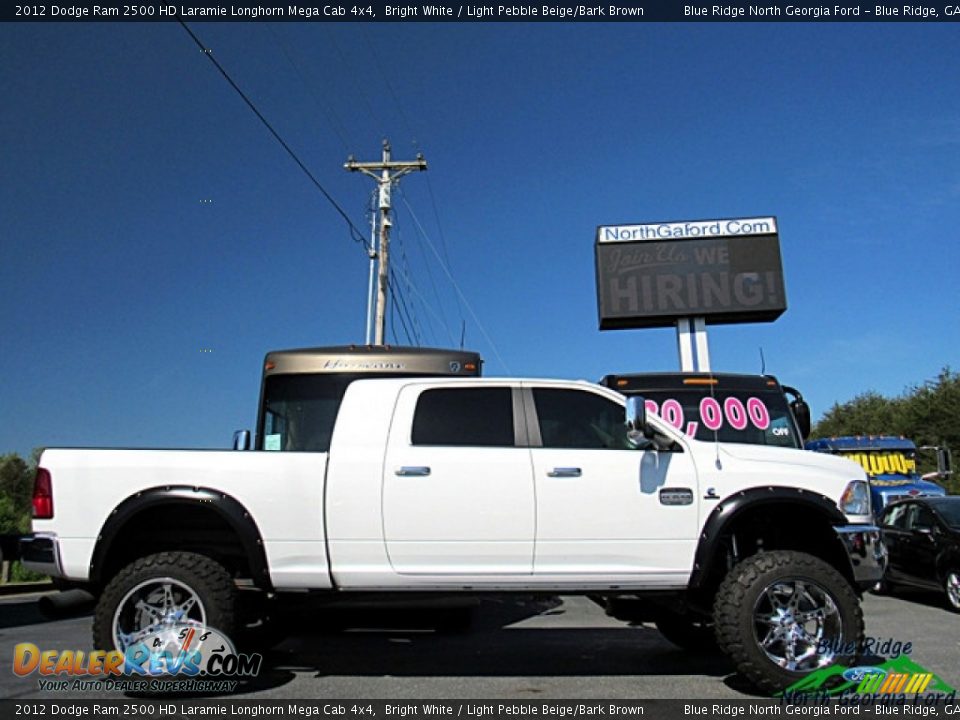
<point x="16" y="489"/>
<point x="867" y="414"/>
<point x="9" y="517"/>
<point x="931" y="412"/>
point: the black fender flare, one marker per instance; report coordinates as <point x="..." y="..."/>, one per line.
<point x="226" y="506"/>
<point x="732" y="506"/>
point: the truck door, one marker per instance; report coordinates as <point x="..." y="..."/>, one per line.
<point x="603" y="506"/>
<point x="458" y="495"/>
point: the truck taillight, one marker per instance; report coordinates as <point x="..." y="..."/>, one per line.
<point x="43" y="495"/>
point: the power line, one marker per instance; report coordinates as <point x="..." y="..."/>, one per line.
<point x="403" y="268"/>
<point x="386" y="172"/>
<point x="442" y="317"/>
<point x="401" y="113"/>
<point x="446" y="270"/>
<point x="355" y="233"/>
<point x="404" y="271"/>
<point x="404" y="118"/>
<point x="327" y="109"/>
<point x="399" y="297"/>
<point x="351" y="71"/>
<point x="412" y="286"/>
<point x="394" y="310"/>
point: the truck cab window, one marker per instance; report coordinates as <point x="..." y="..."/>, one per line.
<point x="464" y="416"/>
<point x="575" y="419"/>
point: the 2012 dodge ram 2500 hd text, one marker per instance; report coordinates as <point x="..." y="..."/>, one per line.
<point x="472" y="485"/>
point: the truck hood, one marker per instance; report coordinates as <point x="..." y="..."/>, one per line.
<point x="760" y="465"/>
<point x="828" y="464"/>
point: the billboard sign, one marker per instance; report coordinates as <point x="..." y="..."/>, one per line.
<point x="653" y="274"/>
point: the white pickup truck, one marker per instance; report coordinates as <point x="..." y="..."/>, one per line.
<point x="469" y="485"/>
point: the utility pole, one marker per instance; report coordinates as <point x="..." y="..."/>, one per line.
<point x="385" y="173"/>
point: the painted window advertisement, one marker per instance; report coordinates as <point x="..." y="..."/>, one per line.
<point x="757" y="418"/>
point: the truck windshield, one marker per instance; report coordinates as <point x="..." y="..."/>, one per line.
<point x="752" y="416"/>
<point x="724" y="407"/>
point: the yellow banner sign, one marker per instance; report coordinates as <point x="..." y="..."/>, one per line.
<point x="884" y="463"/>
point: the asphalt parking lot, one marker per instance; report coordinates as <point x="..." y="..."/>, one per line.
<point x="516" y="648"/>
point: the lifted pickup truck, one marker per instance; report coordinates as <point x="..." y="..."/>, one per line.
<point x="470" y="485"/>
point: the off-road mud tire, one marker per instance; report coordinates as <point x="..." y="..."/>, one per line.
<point x="207" y="579"/>
<point x="738" y="595"/>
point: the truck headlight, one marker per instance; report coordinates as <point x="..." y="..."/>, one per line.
<point x="856" y="498"/>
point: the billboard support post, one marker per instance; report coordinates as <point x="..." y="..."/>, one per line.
<point x="692" y="344"/>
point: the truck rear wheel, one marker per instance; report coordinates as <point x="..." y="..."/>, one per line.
<point x="155" y="593"/>
<point x="781" y="615"/>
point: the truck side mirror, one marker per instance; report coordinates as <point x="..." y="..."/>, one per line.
<point x="636" y="419"/>
<point x="241" y="440"/>
<point x="641" y="435"/>
<point x="944" y="462"/>
<point x="800" y="410"/>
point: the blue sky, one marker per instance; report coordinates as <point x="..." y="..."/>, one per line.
<point x="134" y="313"/>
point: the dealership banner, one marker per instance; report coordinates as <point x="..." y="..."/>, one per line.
<point x="632" y="11"/>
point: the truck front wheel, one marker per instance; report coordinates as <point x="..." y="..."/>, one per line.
<point x="157" y="595"/>
<point x="781" y="615"/>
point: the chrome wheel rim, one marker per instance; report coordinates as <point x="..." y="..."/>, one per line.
<point x="797" y="624"/>
<point x="156" y="608"/>
<point x="953" y="589"/>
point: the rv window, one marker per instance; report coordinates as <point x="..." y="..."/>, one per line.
<point x="300" y="411"/>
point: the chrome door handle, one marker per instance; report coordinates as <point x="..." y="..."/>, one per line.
<point x="565" y="472"/>
<point x="412" y="471"/>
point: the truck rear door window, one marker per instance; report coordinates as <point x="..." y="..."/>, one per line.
<point x="464" y="416"/>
